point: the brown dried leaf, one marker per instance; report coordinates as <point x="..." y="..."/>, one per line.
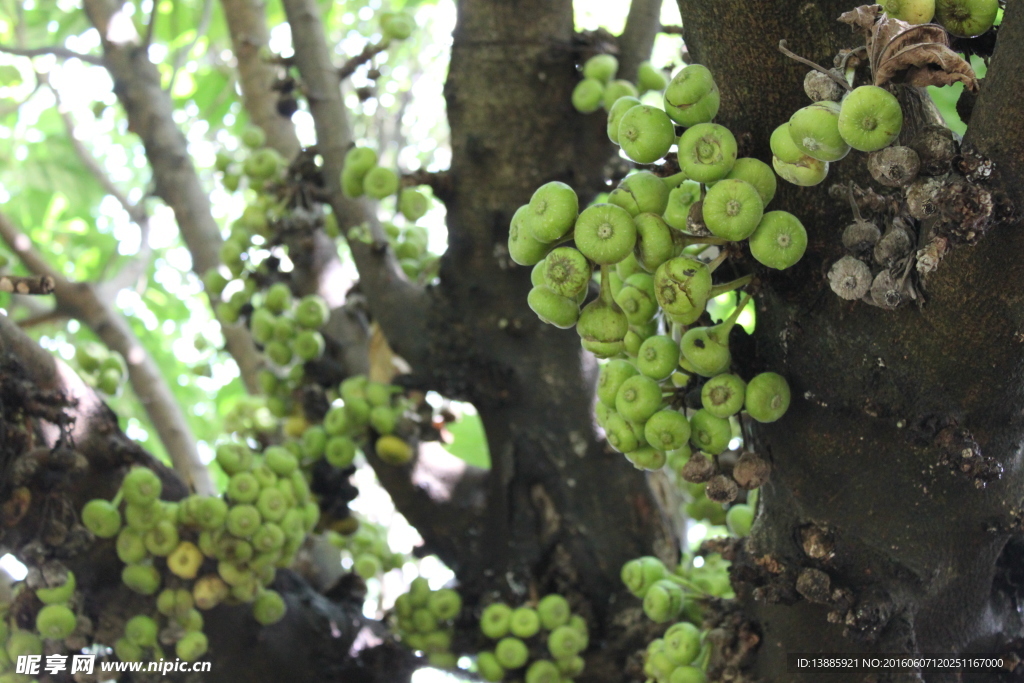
<point x="862" y="17"/>
<point x="928" y="64"/>
<point x="917" y="55"/>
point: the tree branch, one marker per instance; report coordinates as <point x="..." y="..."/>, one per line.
<point x="182" y="54"/>
<point x="82" y="302"/>
<point x="397" y="305"/>
<point x="369" y="52"/>
<point x="248" y="28"/>
<point x="55" y="50"/>
<point x="149" y="110"/>
<point x="637" y="39"/>
<point x="34" y="284"/>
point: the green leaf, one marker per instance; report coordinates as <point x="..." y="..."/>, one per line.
<point x="469" y="441"/>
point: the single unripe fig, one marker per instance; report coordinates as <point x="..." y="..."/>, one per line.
<point x="767" y="397"/>
<point x="413" y="203"/>
<point x="489" y="668"/>
<point x="566" y="641"/>
<point x="611" y="377"/>
<point x="268" y="608"/>
<point x="616" y="90"/>
<point x="524" y="249"/>
<point x="263" y="164"/>
<point x="910" y="11"/>
<point x="588" y="95"/>
<point x="657" y="357"/>
<point x="445" y="604"/>
<point x="663" y="601"/>
<point x="620" y="433"/>
<point x="758" y="174"/>
<point x="524" y="622"/>
<point x="141" y="578"/>
<point x="57" y="594"/>
<point x="783" y="147"/>
<point x="210" y="513"/>
<point x="495" y="620"/>
<point x="732" y="209"/>
<point x="667" y="430"/>
<point x="243" y="520"/>
<point x="393" y="450"/>
<point x="312" y="312"/>
<point x="819" y="86"/>
<point x="894" y="166"/>
<point x="601" y="68"/>
<point x="380" y="182"/>
<point x="646" y="133"/>
<point x="280" y="460"/>
<point x="739" y="519"/>
<point x="806" y="172"/>
<point x="340" y="451"/>
<point x="636" y="298"/>
<point x="815" y="131"/>
<point x="687" y="674"/>
<point x="779" y="241"/>
<point x="682" y="286"/>
<point x="542" y="671"/>
<point x="680" y="200"/>
<point x="141" y="630"/>
<point x="141" y="486"/>
<point x="709" y="433"/>
<point x="551" y="212"/>
<point x="567" y="272"/>
<point x="870" y="119"/>
<point x="605" y="233"/>
<point x="162" y="539"/>
<point x="638" y="398"/>
<point x="692" y="96"/>
<point x="646" y="458"/>
<point x="192" y="646"/>
<point x="707" y="152"/>
<point x="101" y="518"/>
<point x="641" y="192"/>
<point x="650" y="78"/>
<point x="706" y="351"/>
<point x="253" y="137"/>
<point x="682" y="643"/>
<point x="55" y="622"/>
<point x="966" y="18"/>
<point x="723" y="395"/>
<point x="615" y="114"/>
<point x="511" y="653"/>
<point x="640" y="574"/>
<point x="553" y="610"/>
<point x="654" y="242"/>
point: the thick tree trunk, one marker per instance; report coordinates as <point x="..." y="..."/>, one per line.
<point x="858" y="458"/>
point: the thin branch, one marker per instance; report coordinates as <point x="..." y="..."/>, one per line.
<point x="369" y="52"/>
<point x="441" y="182"/>
<point x="792" y="55"/>
<point x="81" y="301"/>
<point x="671" y="30"/>
<point x="181" y="56"/>
<point x="34" y="284"/>
<point x="53" y="315"/>
<point x="150" y="116"/>
<point x="54" y="50"/>
<point x="398" y="306"/>
<point x="249" y="34"/>
<point x="637" y="37"/>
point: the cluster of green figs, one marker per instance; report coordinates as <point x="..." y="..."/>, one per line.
<point x="648" y="242"/>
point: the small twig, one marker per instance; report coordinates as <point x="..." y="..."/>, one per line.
<point x="34" y="284"/>
<point x="53" y="315"/>
<point x="369" y="52"/>
<point x="182" y="55"/>
<point x="792" y="55"/>
<point x="672" y="30"/>
<point x="54" y="50"/>
<point x="439" y="181"/>
<point x="150" y="27"/>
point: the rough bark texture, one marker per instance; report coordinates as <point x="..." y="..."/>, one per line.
<point x="858" y="455"/>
